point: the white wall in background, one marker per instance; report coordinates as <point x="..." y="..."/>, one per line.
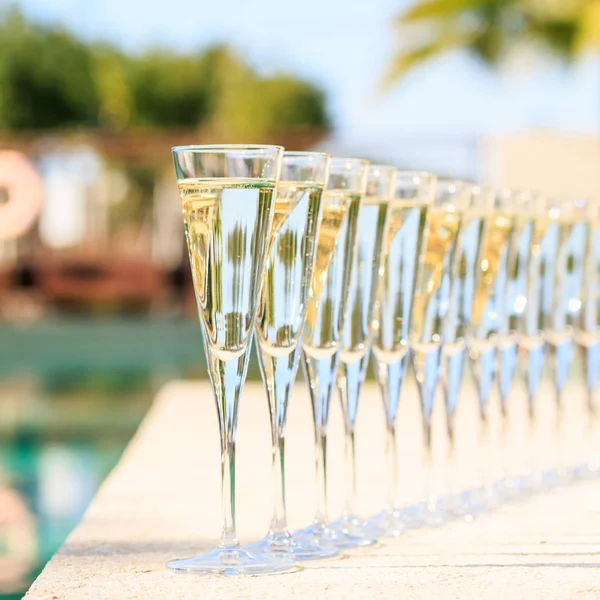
<point x="548" y="162"/>
<point x="69" y="177"/>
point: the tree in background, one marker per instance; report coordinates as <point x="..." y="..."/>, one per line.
<point x="490" y="29"/>
<point x="49" y="78"/>
<point x="45" y="77"/>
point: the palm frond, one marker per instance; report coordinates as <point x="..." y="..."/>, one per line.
<point x="588" y="37"/>
<point x="489" y="28"/>
<point x="407" y="60"/>
<point x="437" y="9"/>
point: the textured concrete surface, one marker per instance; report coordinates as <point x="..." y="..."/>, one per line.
<point x="162" y="502"/>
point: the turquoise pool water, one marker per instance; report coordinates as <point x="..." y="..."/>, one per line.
<point x="72" y="394"/>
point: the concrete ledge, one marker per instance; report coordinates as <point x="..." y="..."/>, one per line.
<point x="162" y="502"/>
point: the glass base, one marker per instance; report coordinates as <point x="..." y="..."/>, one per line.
<point x="387" y="523"/>
<point x="513" y="488"/>
<point x="480" y="500"/>
<point x="424" y="514"/>
<point x="554" y="478"/>
<point x="413" y="516"/>
<point x="328" y="536"/>
<point x="355" y="527"/>
<point x="393" y="522"/>
<point x="483" y="499"/>
<point x="533" y="483"/>
<point x="235" y="561"/>
<point x="285" y="545"/>
<point x="592" y="467"/>
<point x="492" y="495"/>
<point x="459" y="506"/>
<point x="586" y="470"/>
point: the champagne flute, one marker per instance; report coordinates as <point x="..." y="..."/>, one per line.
<point x="552" y="320"/>
<point x="326" y="313"/>
<point x="358" y="328"/>
<point x="587" y="333"/>
<point x="567" y="289"/>
<point x="538" y="237"/>
<point x="398" y="273"/>
<point x="430" y="319"/>
<point x="228" y="195"/>
<point x="463" y="283"/>
<point x="489" y="299"/>
<point x="509" y="311"/>
<point x="280" y="320"/>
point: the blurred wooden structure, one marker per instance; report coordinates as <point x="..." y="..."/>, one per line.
<point x="103" y="277"/>
<point x="144" y="145"/>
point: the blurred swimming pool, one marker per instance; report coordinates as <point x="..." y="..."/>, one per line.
<point x="72" y="393"/>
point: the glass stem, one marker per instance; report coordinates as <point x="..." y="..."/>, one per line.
<point x="391" y="454"/>
<point x="506" y="462"/>
<point x="228" y="536"/>
<point x="227" y="380"/>
<point x="591" y="409"/>
<point x="590" y="418"/>
<point x="561" y="454"/>
<point x="484" y="449"/>
<point x="350" y="463"/>
<point x="390" y="378"/>
<point x="428" y="474"/>
<point x="321" y="377"/>
<point x="321" y="474"/>
<point x="350" y="378"/>
<point x="590" y="370"/>
<point x="532" y="442"/>
<point x="592" y="450"/>
<point x="279" y="522"/>
<point x="452" y="475"/>
<point x="279" y="373"/>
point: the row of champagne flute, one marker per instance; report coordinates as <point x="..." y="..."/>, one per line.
<point x="329" y="261"/>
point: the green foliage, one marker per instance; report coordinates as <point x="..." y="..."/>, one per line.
<point x="167" y="89"/>
<point x="434" y="9"/>
<point x="278" y="103"/>
<point x="51" y="79"/>
<point x="45" y="77"/>
<point x="489" y="29"/>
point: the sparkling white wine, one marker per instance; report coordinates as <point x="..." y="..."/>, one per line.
<point x="331" y="276"/>
<point x="528" y="311"/>
<point x="462" y="281"/>
<point x="491" y="276"/>
<point x="570" y="251"/>
<point x="363" y="286"/>
<point x="289" y="269"/>
<point x="430" y="304"/>
<point x="574" y="275"/>
<point x="227" y="225"/>
<point x="397" y="279"/>
<point x="589" y="322"/>
<point x="587" y="333"/>
<point x="554" y="297"/>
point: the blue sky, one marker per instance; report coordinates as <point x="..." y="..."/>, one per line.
<point x="344" y="46"/>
